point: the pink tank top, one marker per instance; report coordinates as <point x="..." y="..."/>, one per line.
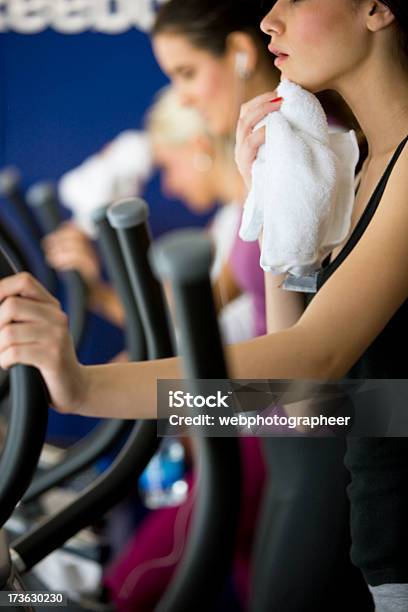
<point x="244" y="262"/>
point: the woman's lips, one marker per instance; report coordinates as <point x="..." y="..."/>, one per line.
<point x="280" y="56"/>
<point x="280" y="59"/>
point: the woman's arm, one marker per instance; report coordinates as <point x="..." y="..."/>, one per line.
<point x="128" y="391"/>
<point x="69" y="248"/>
<point x="34" y="331"/>
<point x="225" y="288"/>
<point x="344" y="318"/>
<point x="283" y="308"/>
<point x="104" y="301"/>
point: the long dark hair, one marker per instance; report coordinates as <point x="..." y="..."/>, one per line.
<point x="208" y="23"/>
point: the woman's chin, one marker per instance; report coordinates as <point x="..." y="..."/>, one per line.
<point x="305" y="84"/>
<point x="309" y="83"/>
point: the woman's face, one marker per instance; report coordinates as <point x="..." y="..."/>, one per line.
<point x="182" y="177"/>
<point x="321" y="41"/>
<point x="202" y="80"/>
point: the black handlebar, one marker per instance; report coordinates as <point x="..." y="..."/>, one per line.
<point x="99" y="442"/>
<point x="109" y="488"/>
<point x="10" y="189"/>
<point x="183" y="258"/>
<point x="93" y="502"/>
<point x="129" y="218"/>
<point x="11" y="251"/>
<point x="106" y="435"/>
<point x="42" y="198"/>
<point x="26" y="428"/>
<point x="116" y="267"/>
<point x="218" y="501"/>
<point x="109" y="432"/>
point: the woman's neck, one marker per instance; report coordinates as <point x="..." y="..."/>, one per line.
<point x="228" y="184"/>
<point x="380" y="103"/>
<point x="262" y="81"/>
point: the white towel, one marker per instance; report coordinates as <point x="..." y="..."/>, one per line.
<point x="302" y="191"/>
<point x="118" y="171"/>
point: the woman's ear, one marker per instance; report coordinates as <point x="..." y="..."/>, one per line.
<point x="242" y="53"/>
<point x="379" y="16"/>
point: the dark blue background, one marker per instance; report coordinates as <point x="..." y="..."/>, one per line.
<point x="62" y="97"/>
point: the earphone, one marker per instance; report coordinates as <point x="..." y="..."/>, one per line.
<point x="241" y="64"/>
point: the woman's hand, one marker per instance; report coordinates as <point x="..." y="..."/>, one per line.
<point x="68" y="248"/>
<point x="248" y="140"/>
<point x="34" y="332"/>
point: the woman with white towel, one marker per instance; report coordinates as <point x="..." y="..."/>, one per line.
<point x="216" y="57"/>
<point x="360" y="312"/>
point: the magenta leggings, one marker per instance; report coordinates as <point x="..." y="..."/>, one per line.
<point x="137" y="579"/>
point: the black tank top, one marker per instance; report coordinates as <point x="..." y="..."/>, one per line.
<point x="381" y="359"/>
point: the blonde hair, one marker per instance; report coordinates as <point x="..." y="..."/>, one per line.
<point x="170" y="123"/>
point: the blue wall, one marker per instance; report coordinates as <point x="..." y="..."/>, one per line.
<point x="62" y="97"/>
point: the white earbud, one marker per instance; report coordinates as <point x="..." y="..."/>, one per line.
<point x="241" y="64"/>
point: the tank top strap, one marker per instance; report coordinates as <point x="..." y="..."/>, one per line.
<point x="364" y="220"/>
